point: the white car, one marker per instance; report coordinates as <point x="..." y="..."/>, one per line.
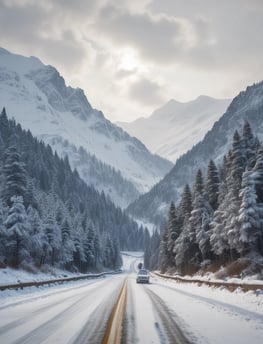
<point x="143" y="276"/>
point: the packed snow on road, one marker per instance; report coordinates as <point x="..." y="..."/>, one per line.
<point x="158" y="312"/>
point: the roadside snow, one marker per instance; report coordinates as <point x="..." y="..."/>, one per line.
<point x="214" y="315"/>
<point x="206" y="314"/>
<point x="12" y="276"/>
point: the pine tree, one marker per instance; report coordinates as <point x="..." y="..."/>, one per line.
<point x="89" y="242"/>
<point x="258" y="174"/>
<point x="68" y="247"/>
<point x="15" y="175"/>
<point x="218" y="235"/>
<point x="173" y="232"/>
<point x="183" y="249"/>
<point x="196" y="218"/>
<point x="53" y="235"/>
<point x="250" y="215"/>
<point x="249" y="144"/>
<point x="109" y="253"/>
<point x="231" y="203"/>
<point x="37" y="239"/>
<point x="4" y="126"/>
<point x="185" y="206"/>
<point x="212" y="185"/>
<point x="78" y="235"/>
<point x="237" y="164"/>
<point x="97" y="251"/>
<point x="3" y="234"/>
<point x="17" y="232"/>
<point x="163" y="259"/>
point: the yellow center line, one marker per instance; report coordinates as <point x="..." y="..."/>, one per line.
<point x="114" y="328"/>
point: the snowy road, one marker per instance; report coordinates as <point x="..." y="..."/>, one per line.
<point x="161" y="312"/>
<point x="75" y="314"/>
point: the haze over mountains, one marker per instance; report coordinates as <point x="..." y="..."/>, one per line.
<point x="105" y="156"/>
<point x="175" y="127"/>
<point x="248" y="105"/>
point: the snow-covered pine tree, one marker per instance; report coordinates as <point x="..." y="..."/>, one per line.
<point x="185" y="206"/>
<point x="4" y="126"/>
<point x="212" y="184"/>
<point x="37" y="240"/>
<point x="182" y="243"/>
<point x="238" y="164"/>
<point x="3" y="234"/>
<point x="173" y="231"/>
<point x="202" y="211"/>
<point x="17" y="233"/>
<point x="52" y="250"/>
<point x="67" y="242"/>
<point x="163" y="261"/>
<point x="249" y="144"/>
<point x="250" y="217"/>
<point x="78" y="235"/>
<point x="89" y="244"/>
<point x="108" y="252"/>
<point x="218" y="236"/>
<point x="258" y="174"/>
<point x="15" y="175"/>
<point x="97" y="251"/>
<point x="196" y="218"/>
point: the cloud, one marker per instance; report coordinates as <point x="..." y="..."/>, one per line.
<point x="29" y="26"/>
<point x="206" y="34"/>
<point x="227" y="32"/>
<point x="21" y="22"/>
<point x="131" y="53"/>
<point x="156" y="38"/>
<point x="146" y="92"/>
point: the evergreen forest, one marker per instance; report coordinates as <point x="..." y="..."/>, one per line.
<point x="220" y="219"/>
<point x="50" y="217"/>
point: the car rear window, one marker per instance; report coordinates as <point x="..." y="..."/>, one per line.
<point x="142" y="272"/>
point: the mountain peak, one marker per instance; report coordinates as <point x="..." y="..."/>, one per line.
<point x="37" y="97"/>
<point x="247" y="106"/>
<point x="176" y="126"/>
<point x="19" y="63"/>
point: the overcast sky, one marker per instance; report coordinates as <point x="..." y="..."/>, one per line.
<point x="131" y="56"/>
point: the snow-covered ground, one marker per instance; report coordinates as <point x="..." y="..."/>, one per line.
<point x="36" y="96"/>
<point x="176" y="127"/>
<point x="204" y="314"/>
<point x="214" y="315"/>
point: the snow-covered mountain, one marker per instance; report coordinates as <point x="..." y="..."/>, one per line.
<point x="37" y="97"/>
<point x="248" y="105"/>
<point x="174" y="128"/>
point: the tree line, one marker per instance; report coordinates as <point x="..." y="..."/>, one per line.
<point x="220" y="219"/>
<point x="49" y="216"/>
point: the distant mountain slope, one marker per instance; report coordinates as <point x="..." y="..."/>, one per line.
<point x="247" y="105"/>
<point x="36" y="95"/>
<point x="49" y="215"/>
<point x="174" y="128"/>
<point x="94" y="172"/>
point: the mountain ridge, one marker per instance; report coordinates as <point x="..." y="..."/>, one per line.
<point x="175" y="127"/>
<point x="37" y="96"/>
<point x="247" y="105"/>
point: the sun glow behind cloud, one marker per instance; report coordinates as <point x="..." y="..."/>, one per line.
<point x="128" y="61"/>
<point x="129" y="57"/>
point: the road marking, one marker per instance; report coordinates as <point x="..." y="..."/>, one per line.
<point x="113" y="332"/>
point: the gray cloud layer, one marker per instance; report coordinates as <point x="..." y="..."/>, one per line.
<point x="185" y="46"/>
